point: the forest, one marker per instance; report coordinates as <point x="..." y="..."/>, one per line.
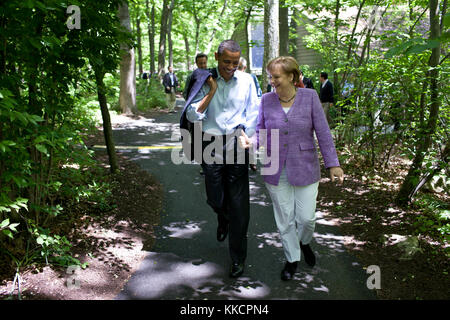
<point x="66" y="66"/>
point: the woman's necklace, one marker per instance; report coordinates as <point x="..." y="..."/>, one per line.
<point x="286" y="101"/>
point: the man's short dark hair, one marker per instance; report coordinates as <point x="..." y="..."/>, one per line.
<point x="324" y="75"/>
<point x="200" y="55"/>
<point x="229" y="45"/>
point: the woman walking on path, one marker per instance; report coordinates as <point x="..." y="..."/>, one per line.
<point x="296" y="113"/>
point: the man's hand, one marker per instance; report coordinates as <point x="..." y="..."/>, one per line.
<point x="212" y="83"/>
<point x="244" y="141"/>
<point x="207" y="99"/>
<point x="337" y="172"/>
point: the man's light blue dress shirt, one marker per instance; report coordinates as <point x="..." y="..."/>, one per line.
<point x="235" y="102"/>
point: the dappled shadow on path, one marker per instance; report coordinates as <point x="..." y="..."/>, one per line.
<point x="186" y="261"/>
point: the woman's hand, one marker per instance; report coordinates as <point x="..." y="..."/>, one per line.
<point x="244" y="141"/>
<point x="337" y="172"/>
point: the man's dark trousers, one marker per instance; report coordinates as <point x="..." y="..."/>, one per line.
<point x="227" y="191"/>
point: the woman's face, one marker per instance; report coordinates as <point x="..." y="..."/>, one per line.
<point x="279" y="79"/>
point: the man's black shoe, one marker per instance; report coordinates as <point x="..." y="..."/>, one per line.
<point x="236" y="270"/>
<point x="288" y="271"/>
<point x="310" y="258"/>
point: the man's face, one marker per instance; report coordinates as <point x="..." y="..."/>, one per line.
<point x="202" y="63"/>
<point x="321" y="79"/>
<point x="170" y="69"/>
<point x="227" y="63"/>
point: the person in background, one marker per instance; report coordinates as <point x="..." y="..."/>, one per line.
<point x="170" y="83"/>
<point x="201" y="60"/>
<point x="306" y="81"/>
<point x="326" y="95"/>
<point x="297" y="115"/>
<point x="242" y="67"/>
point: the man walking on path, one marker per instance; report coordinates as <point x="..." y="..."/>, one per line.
<point x="170" y="83"/>
<point x="225" y="106"/>
<point x="326" y="95"/>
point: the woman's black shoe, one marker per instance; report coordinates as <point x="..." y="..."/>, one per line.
<point x="310" y="258"/>
<point x="288" y="271"/>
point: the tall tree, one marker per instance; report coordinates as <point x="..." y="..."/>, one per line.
<point x="151" y="33"/>
<point x="107" y="129"/>
<point x="271" y="36"/>
<point x="427" y="129"/>
<point x="215" y="27"/>
<point x="127" y="95"/>
<point x="163" y="37"/>
<point x="169" y="32"/>
<point x="187" y="50"/>
<point x="139" y="39"/>
<point x="284" y="28"/>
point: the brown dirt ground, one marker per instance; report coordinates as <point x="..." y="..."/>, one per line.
<point x="114" y="243"/>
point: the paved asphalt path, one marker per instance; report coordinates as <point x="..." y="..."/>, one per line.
<point x="187" y="262"/>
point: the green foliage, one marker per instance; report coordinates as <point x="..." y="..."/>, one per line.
<point x="150" y="95"/>
<point x="435" y="217"/>
<point x="47" y="106"/>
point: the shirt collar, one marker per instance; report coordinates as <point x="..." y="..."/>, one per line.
<point x="219" y="76"/>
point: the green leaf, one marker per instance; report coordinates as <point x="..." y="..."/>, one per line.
<point x="4" y="223"/>
<point x="22" y="118"/>
<point x="397" y="50"/>
<point x="419" y="48"/>
<point x="13" y="226"/>
<point x="447" y="20"/>
<point x="8" y="233"/>
<point x="40" y="241"/>
<point x="42" y="148"/>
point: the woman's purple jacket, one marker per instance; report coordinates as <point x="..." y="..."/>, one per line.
<point x="297" y="150"/>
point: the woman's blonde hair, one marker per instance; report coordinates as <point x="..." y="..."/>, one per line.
<point x="288" y="64"/>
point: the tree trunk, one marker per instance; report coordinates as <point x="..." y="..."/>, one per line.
<point x="139" y="43"/>
<point x="169" y="32"/>
<point x="107" y="130"/>
<point x="197" y="26"/>
<point x="151" y="33"/>
<point x="426" y="132"/>
<point x="187" y="50"/>
<point x="441" y="164"/>
<point x="271" y="36"/>
<point x="284" y="28"/>
<point x="127" y="95"/>
<point x="162" y="38"/>
<point x="337" y="12"/>
<point x="247" y="52"/>
<point x="213" y="33"/>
